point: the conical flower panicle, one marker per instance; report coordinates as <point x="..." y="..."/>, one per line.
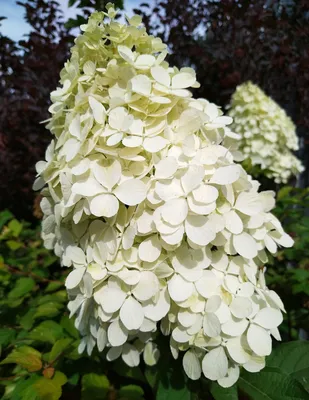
<point x="268" y="135"/>
<point x="144" y="202"/>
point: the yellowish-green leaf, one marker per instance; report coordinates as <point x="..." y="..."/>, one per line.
<point x="15" y="227"/>
<point x="25" y="356"/>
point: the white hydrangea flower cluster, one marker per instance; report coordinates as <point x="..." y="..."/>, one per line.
<point x="143" y="200"/>
<point x="268" y="135"/>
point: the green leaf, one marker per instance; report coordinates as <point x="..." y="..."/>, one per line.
<point x="284" y="192"/>
<point x="6" y="336"/>
<point x="271" y="384"/>
<point x="47" y="331"/>
<point x="14" y="245"/>
<point x="50" y="310"/>
<point x="220" y="393"/>
<point x="151" y="374"/>
<point x="50" y="389"/>
<point x="131" y="392"/>
<point x="22" y="287"/>
<point x="25" y="356"/>
<point x="94" y="386"/>
<point x="68" y="325"/>
<point x="28" y="319"/>
<point x="24" y="389"/>
<point x="292" y="359"/>
<point x="59" y="347"/>
<point x="15" y="227"/>
<point x="5" y="216"/>
<point x="53" y="286"/>
<point x="172" y="388"/>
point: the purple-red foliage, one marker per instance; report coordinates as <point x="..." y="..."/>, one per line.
<point x="232" y="41"/>
<point x="29" y="72"/>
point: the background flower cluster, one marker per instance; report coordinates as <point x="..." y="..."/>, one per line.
<point x="268" y="135"/>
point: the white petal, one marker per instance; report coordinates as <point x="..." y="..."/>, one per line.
<point x="141" y="84"/>
<point x="245" y="245"/>
<point x="268" y="318"/>
<point x="70" y="149"/>
<point x="129" y="276"/>
<point x="117" y="334"/>
<point x="231" y="378"/>
<point x="114" y="139"/>
<point x="128" y="237"/>
<point x="180" y="335"/>
<point x="175" y="237"/>
<point x="89" y="187"/>
<point x="104" y="205"/>
<point x="76" y="254"/>
<point x="205" y="194"/>
<point x="219" y="260"/>
<point x="161" y="75"/>
<point x="241" y="307"/>
<point x="113" y="353"/>
<point x="81" y="167"/>
<point x="131" y="192"/>
<point x="183" y="80"/>
<point x="175" y="211"/>
<point x="155" y="144"/>
<point x="130" y="355"/>
<point x="226" y="175"/>
<point x="246" y="289"/>
<point x="157" y="311"/>
<point x="99" y="113"/>
<point x="259" y="340"/>
<point x="101" y="339"/>
<point x="249" y="203"/>
<point x="215" y="364"/>
<point x="108" y="175"/>
<point x="192" y="365"/>
<point x="166" y="168"/>
<point x="132" y="141"/>
<point x="112" y="299"/>
<point x="255" y="364"/>
<point x="150" y="249"/>
<point x="233" y="222"/>
<point x="208" y="284"/>
<point x="131" y="314"/>
<point x="211" y="325"/>
<point x="74" y="278"/>
<point x="145" y="222"/>
<point x="235" y="327"/>
<point x="145" y="61"/>
<point x="151" y="354"/>
<point x="147" y="286"/>
<point x="237" y="351"/>
<point x="126" y="53"/>
<point x="180" y="289"/>
<point x="192" y="178"/>
<point x="199" y="230"/>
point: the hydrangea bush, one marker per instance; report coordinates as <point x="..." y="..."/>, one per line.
<point x="268" y="135"/>
<point x="143" y="200"/>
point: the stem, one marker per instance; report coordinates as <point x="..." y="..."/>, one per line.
<point x="37" y="277"/>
